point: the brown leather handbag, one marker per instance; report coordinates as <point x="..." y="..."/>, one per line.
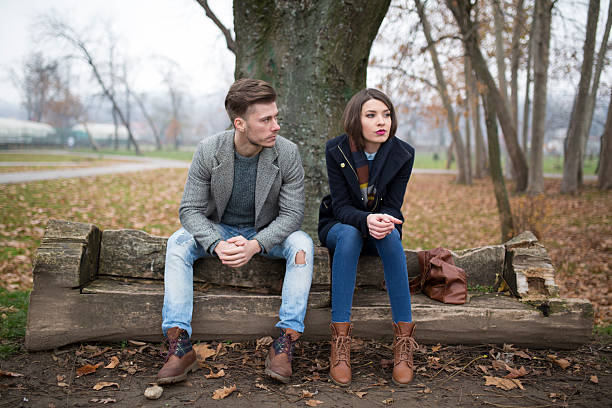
<point x="440" y="279"/>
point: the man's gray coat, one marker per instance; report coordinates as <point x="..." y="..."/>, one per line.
<point x="279" y="190"/>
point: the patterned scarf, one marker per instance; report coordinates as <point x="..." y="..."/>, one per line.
<point x="363" y="175"/>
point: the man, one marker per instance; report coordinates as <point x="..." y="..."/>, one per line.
<point x="244" y="195"/>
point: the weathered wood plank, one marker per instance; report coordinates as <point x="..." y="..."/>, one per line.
<point x="117" y="313"/>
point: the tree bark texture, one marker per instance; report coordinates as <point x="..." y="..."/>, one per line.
<point x="573" y="143"/>
<point x="315" y="54"/>
<point x="464" y="175"/>
<point x="461" y="10"/>
<point x="604" y="175"/>
<point x="499" y="186"/>
<point x="543" y="16"/>
<point x="590" y="108"/>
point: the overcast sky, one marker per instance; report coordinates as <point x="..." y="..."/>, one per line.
<point x="178" y="29"/>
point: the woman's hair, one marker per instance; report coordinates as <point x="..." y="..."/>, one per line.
<point x="246" y="92"/>
<point x="351" y="118"/>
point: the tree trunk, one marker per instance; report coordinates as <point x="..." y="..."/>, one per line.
<point x="527" y="103"/>
<point x="450" y="155"/>
<point x="315" y="54"/>
<point x="542" y="17"/>
<point x="464" y="175"/>
<point x="461" y="10"/>
<point x="590" y="108"/>
<point x="500" y="54"/>
<point x="480" y="156"/>
<point x="517" y="30"/>
<point x="573" y="142"/>
<point x="149" y="120"/>
<point x="604" y="175"/>
<point x="94" y="145"/>
<point x="499" y="186"/>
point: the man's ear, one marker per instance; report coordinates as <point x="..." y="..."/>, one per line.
<point x="239" y="124"/>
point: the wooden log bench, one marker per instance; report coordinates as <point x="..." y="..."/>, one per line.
<point x="92" y="285"/>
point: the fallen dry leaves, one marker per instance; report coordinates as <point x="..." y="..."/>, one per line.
<point x="313" y="403"/>
<point x="503" y="383"/>
<point x="218" y="374"/>
<point x="203" y="351"/>
<point x="223" y="392"/>
<point x="104" y="384"/>
<point x="87" y="369"/>
<point x="9" y="374"/>
<point x="113" y="363"/>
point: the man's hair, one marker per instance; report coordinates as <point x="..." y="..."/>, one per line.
<point x="351" y="118"/>
<point x="246" y="92"/>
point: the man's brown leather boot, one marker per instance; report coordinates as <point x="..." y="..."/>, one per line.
<point x="181" y="358"/>
<point x="278" y="361"/>
<point x="340" y="355"/>
<point x="403" y="347"/>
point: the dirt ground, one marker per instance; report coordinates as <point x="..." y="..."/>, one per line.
<point x="447" y="376"/>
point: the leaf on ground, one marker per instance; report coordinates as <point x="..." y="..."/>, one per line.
<point x="60" y="377"/>
<point x="264" y="342"/>
<point x="9" y="374"/>
<point x="313" y="402"/>
<point x="503" y="383"/>
<point x="435" y="348"/>
<point x="220" y="350"/>
<point x="514" y="373"/>
<point x="99" y="351"/>
<point x="223" y="392"/>
<point x="87" y="369"/>
<point x="113" y="363"/>
<point x="498" y="365"/>
<point x="262" y="386"/>
<point x="104" y="384"/>
<point x="387" y="401"/>
<point x="522" y="354"/>
<point x="561" y="362"/>
<point x="508" y="348"/>
<point x="360" y="394"/>
<point x="594" y="379"/>
<point x="307" y="394"/>
<point x="203" y="351"/>
<point x="62" y="384"/>
<point x="425" y="390"/>
<point x="137" y="343"/>
<point x="103" y="400"/>
<point x="218" y="374"/>
<point x="483" y="369"/>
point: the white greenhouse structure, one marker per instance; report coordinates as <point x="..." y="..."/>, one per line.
<point x="25" y="132"/>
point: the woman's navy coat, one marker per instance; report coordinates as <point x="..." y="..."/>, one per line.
<point x="391" y="171"/>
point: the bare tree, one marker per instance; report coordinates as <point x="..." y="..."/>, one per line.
<point x="604" y="175"/>
<point x="573" y="142"/>
<point x="542" y="21"/>
<point x="518" y="29"/>
<point x="590" y="108"/>
<point x="462" y="10"/>
<point x="139" y="98"/>
<point x="527" y="102"/>
<point x="59" y="29"/>
<point x="464" y="175"/>
<point x="499" y="186"/>
<point x="37" y="81"/>
<point x="500" y="53"/>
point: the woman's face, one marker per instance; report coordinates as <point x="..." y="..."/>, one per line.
<point x="375" y="124"/>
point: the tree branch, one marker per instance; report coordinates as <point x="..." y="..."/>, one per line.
<point x="228" y="35"/>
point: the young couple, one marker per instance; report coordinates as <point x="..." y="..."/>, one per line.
<point x="244" y="195"/>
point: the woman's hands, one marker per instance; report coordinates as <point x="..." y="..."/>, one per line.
<point x="381" y="225"/>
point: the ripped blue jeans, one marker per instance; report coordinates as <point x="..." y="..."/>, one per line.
<point x="183" y="250"/>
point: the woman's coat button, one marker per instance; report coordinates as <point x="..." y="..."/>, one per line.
<point x="342" y="165"/>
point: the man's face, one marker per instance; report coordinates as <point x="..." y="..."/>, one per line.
<point x="261" y="124"/>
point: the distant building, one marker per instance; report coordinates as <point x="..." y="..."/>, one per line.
<point x="14" y="132"/>
<point x="102" y="133"/>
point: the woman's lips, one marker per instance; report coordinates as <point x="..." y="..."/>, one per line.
<point x="381" y="132"/>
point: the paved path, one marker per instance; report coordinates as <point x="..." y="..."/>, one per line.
<point x="135" y="164"/>
<point x="145" y="163"/>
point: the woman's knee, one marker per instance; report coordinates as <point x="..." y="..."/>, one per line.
<point x="348" y="237"/>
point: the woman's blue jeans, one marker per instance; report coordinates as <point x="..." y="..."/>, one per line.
<point x="183" y="250"/>
<point x="347" y="243"/>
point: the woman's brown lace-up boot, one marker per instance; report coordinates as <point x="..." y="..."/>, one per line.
<point x="340" y="355"/>
<point x="403" y="347"/>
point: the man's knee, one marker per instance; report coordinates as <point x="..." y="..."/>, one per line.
<point x="300" y="257"/>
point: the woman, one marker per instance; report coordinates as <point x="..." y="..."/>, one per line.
<point x="368" y="169"/>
